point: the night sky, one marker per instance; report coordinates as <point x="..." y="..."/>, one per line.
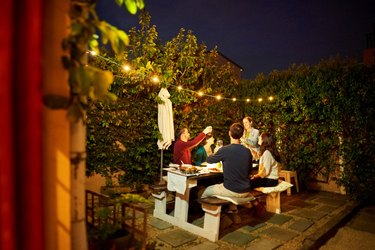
<point x="261" y="35"/>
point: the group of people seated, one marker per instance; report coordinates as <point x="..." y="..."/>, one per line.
<point x="237" y="157"/>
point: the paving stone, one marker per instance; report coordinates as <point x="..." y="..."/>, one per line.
<point x="263" y="244"/>
<point x="279" y="233"/>
<point x="309" y="213"/>
<point x="301" y="203"/>
<point x="301" y="225"/>
<point x="205" y="246"/>
<point x="159" y="224"/>
<point x="177" y="237"/>
<point x="330" y="201"/>
<point x="249" y="228"/>
<point x="286" y="208"/>
<point x="326" y="208"/>
<point x="279" y="219"/>
<point x="239" y="238"/>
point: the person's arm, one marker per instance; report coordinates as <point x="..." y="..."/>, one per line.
<point x="195" y="141"/>
<point x="216" y="157"/>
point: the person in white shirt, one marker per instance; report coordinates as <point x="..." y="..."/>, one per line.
<point x="268" y="172"/>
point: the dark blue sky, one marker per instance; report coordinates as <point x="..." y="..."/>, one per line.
<point x="261" y="35"/>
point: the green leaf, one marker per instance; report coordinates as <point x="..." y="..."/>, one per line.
<point x="103" y="81"/>
<point x="131" y="6"/>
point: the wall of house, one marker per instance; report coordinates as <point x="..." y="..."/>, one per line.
<point x="56" y="132"/>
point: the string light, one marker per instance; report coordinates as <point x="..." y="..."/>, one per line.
<point x="155" y="79"/>
<point x="126" y="67"/>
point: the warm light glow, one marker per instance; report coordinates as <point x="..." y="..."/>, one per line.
<point x="218" y="97"/>
<point x="93" y="53"/>
<point x="200" y="93"/>
<point x="155" y="79"/>
<point x="260" y="99"/>
<point x="126" y="67"/>
<point x="247" y="100"/>
<point x="179" y="88"/>
<point x="234" y="99"/>
<point x="270" y="98"/>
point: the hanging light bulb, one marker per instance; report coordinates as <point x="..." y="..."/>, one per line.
<point x="155" y="79"/>
<point x="247" y="100"/>
<point x="218" y="97"/>
<point x="179" y="88"/>
<point x="234" y="99"/>
<point x="200" y="93"/>
<point x="270" y="98"/>
<point x="260" y="99"/>
<point x="126" y="67"/>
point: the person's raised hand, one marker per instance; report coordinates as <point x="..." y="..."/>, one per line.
<point x="207" y="130"/>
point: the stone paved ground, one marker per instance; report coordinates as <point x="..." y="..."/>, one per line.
<point x="302" y="214"/>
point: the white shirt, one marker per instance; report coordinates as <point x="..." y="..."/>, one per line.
<point x="268" y="166"/>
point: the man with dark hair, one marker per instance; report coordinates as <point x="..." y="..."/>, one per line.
<point x="182" y="147"/>
<point x="236" y="160"/>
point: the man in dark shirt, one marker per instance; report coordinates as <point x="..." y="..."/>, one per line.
<point x="182" y="147"/>
<point x="236" y="160"/>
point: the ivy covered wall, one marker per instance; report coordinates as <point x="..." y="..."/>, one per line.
<point x="323" y="118"/>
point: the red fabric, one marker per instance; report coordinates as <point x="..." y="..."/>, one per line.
<point x="7" y="201"/>
<point x="21" y="148"/>
<point x="182" y="149"/>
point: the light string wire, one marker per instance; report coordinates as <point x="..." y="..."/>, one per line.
<point x="179" y="88"/>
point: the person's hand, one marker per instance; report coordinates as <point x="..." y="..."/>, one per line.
<point x="207" y="130"/>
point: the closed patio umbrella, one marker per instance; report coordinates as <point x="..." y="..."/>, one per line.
<point x="165" y="124"/>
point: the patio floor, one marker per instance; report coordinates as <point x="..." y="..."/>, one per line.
<point x="302" y="215"/>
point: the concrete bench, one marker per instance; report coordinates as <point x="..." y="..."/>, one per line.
<point x="212" y="206"/>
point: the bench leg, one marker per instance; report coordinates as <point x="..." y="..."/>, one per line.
<point x="160" y="203"/>
<point x="211" y="224"/>
<point x="273" y="202"/>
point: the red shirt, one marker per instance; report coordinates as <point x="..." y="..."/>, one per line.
<point x="182" y="149"/>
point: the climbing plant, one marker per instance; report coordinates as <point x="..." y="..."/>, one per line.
<point x="122" y="135"/>
<point x="322" y="117"/>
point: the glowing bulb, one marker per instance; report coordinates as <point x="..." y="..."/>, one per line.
<point x="179" y="87"/>
<point x="234" y="99"/>
<point x="200" y="93"/>
<point x="126" y="67"/>
<point x="218" y="97"/>
<point x="93" y="53"/>
<point x="155" y="79"/>
<point x="260" y="99"/>
<point x="270" y="98"/>
<point x="247" y="100"/>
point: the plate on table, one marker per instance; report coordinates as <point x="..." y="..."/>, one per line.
<point x="214" y="170"/>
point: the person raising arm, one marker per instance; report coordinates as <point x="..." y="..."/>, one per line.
<point x="183" y="145"/>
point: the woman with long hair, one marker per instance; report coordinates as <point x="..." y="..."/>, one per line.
<point x="268" y="172"/>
